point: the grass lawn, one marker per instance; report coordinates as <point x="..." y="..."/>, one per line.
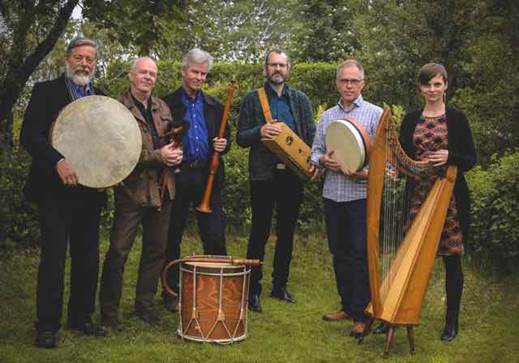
<point x="489" y="325"/>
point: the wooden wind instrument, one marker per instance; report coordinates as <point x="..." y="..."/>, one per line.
<point x="204" y="206"/>
<point x="175" y="132"/>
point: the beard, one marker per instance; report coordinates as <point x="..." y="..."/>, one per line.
<point x="276" y="78"/>
<point x="78" y="78"/>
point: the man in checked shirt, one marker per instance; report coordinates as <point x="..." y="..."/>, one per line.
<point x="345" y="199"/>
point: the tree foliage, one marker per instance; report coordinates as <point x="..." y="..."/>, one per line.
<point x="29" y="31"/>
<point x="137" y="25"/>
<point x="324" y="31"/>
<point x="491" y="96"/>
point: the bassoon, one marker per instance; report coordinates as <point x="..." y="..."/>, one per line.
<point x="204" y="205"/>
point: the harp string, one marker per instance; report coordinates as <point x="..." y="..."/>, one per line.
<point x="393" y="210"/>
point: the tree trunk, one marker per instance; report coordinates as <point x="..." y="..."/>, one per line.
<point x="19" y="71"/>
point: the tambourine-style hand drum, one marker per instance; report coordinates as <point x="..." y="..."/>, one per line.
<point x="100" y="139"/>
<point x="350" y="142"/>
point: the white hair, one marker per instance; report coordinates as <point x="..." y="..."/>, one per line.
<point x="198" y="56"/>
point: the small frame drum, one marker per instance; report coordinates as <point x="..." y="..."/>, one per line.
<point x="350" y="142"/>
<point x="213" y="302"/>
<point x="100" y="138"/>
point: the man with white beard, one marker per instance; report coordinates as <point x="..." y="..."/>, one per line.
<point x="68" y="213"/>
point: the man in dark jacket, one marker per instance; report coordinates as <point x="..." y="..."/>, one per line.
<point x="143" y="198"/>
<point x="69" y="213"/>
<point x="203" y="114"/>
<point x="272" y="185"/>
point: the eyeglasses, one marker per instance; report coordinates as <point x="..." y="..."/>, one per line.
<point x="79" y="58"/>
<point x="280" y="65"/>
<point x="352" y="82"/>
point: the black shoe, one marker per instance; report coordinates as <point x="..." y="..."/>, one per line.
<point x="382" y="328"/>
<point x="89" y="328"/>
<point x="282" y="294"/>
<point x="359" y="329"/>
<point x="148" y="316"/>
<point x="46" y="339"/>
<point x="255" y="303"/>
<point x="171" y="303"/>
<point x="449" y="332"/>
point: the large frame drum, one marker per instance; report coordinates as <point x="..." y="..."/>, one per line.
<point x="350" y="142"/>
<point x="213" y="301"/>
<point x="100" y="138"/>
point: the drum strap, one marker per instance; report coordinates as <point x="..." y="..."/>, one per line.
<point x="265" y="105"/>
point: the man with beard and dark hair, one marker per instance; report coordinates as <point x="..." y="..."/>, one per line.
<point x="68" y="213"/>
<point x="272" y="185"/>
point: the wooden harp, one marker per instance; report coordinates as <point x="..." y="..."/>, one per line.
<point x="399" y="276"/>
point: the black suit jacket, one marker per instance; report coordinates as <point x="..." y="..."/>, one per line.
<point x="47" y="100"/>
<point x="213" y="111"/>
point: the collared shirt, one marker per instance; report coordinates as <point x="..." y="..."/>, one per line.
<point x="280" y="106"/>
<point x="196" y="142"/>
<point x="337" y="186"/>
<point x="77" y="91"/>
<point x="148" y="116"/>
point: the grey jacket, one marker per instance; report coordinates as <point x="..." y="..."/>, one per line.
<point x="261" y="160"/>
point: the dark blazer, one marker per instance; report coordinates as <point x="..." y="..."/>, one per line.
<point x="261" y="159"/>
<point x="461" y="153"/>
<point x="213" y="111"/>
<point x="47" y="100"/>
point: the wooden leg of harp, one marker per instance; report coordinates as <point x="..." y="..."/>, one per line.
<point x="410" y="338"/>
<point x="390" y="337"/>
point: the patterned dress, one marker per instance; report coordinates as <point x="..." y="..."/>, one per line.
<point x="431" y="135"/>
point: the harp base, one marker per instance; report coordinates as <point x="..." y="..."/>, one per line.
<point x="390" y="336"/>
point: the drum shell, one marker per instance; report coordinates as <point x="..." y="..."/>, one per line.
<point x="213" y="302"/>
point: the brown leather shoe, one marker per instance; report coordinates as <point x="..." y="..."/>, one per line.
<point x="336" y="316"/>
<point x="358" y="329"/>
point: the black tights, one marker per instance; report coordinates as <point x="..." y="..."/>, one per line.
<point x="453" y="285"/>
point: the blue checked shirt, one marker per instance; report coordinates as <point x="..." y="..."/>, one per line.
<point x="337" y="186"/>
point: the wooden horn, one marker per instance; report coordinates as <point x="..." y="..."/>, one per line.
<point x="204" y="206"/>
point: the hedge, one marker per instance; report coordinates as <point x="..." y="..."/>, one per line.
<point x="495" y="213"/>
<point x="494" y="191"/>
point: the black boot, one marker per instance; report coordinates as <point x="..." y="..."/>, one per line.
<point x="382" y="328"/>
<point x="450" y="330"/>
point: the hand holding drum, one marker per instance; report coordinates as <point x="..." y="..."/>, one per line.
<point x="100" y="141"/>
<point x="347" y="145"/>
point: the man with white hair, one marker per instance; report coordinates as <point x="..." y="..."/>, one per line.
<point x="203" y="114"/>
<point x="141" y="199"/>
<point x="68" y="213"/>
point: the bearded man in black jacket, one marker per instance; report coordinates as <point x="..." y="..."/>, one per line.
<point x="69" y="213"/>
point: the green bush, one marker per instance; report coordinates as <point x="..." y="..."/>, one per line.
<point x="18" y="219"/>
<point x="495" y="213"/>
<point x="495" y="192"/>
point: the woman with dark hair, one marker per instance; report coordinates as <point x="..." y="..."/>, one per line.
<point x="442" y="135"/>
